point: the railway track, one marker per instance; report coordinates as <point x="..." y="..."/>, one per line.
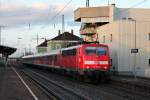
<point x="81" y="90"/>
<point x="55" y="90"/>
<point x="103" y="91"/>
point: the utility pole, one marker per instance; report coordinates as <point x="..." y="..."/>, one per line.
<point x="108" y="2"/>
<point x="63" y="24"/>
<point x="87" y="3"/>
<point x="113" y="2"/>
<point x="29" y="26"/>
<point x="1" y="34"/>
<point x="37" y="39"/>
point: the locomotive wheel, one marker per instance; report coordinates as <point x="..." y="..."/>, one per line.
<point x="86" y="79"/>
<point x="95" y="79"/>
<point x="102" y="77"/>
<point x="80" y="78"/>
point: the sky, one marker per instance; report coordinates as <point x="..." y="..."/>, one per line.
<point x="23" y="20"/>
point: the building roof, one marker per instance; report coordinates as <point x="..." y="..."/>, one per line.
<point x="67" y="36"/>
<point x="7" y="50"/>
<point x="43" y="44"/>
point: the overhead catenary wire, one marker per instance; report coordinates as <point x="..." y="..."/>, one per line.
<point x="60" y="11"/>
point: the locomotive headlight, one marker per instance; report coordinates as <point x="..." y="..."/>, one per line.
<point x="105" y="67"/>
<point x="87" y="67"/>
<point x="103" y="62"/>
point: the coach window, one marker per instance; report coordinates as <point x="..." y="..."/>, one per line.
<point x="64" y="52"/>
<point x="90" y="50"/>
<point x="101" y="51"/>
<point x="54" y="57"/>
<point x="69" y="52"/>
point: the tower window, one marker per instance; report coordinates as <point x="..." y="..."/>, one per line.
<point x="110" y="37"/>
<point x="103" y="39"/>
<point x="149" y="36"/>
<point x="149" y="62"/>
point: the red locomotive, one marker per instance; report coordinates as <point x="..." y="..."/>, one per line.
<point x="86" y="61"/>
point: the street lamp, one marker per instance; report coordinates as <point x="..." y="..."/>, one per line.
<point x="37" y="39"/>
<point x="135" y="50"/>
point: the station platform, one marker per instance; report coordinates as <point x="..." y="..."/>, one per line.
<point x="11" y="87"/>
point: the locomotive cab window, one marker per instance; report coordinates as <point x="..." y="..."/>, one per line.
<point x="101" y="51"/>
<point x="94" y="50"/>
<point x="90" y="50"/>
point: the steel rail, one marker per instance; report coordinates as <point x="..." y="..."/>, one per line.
<point x="43" y="87"/>
<point x="40" y="79"/>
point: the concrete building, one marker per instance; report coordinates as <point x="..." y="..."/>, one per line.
<point x="123" y="36"/>
<point x="105" y="14"/>
<point x="124" y="30"/>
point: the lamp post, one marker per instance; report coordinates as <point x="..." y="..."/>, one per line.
<point x="37" y="39"/>
<point x="135" y="48"/>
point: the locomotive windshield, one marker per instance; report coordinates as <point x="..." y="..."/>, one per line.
<point x="101" y="51"/>
<point x="95" y="50"/>
<point x="90" y="50"/>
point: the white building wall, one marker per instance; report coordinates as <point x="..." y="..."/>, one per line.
<point x="135" y="13"/>
<point x="123" y="40"/>
<point x="143" y="29"/>
<point x="126" y="43"/>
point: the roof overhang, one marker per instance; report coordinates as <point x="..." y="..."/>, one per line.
<point x="5" y="50"/>
<point x="92" y="14"/>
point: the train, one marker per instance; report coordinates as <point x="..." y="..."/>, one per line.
<point x="88" y="62"/>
